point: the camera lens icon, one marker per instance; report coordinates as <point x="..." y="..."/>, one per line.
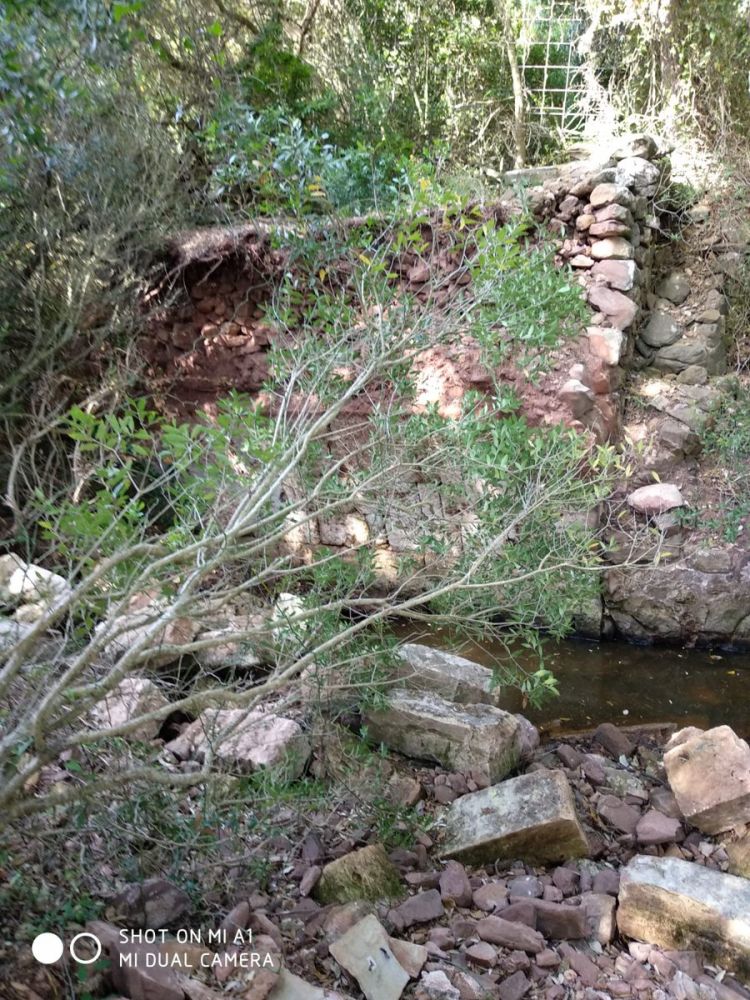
<point x="48" y="948"/>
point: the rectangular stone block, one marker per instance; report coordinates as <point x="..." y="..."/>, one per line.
<point x="709" y="773"/>
<point x="478" y="738"/>
<point x="679" y="904"/>
<point x="530" y="818"/>
<point x="452" y="677"/>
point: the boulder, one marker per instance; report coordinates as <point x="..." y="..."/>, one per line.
<point x="675" y="287"/>
<point x="612" y="248"/>
<point x="477" y="738"/>
<point x="656" y="498"/>
<point x="132" y="698"/>
<point x="709" y="774"/>
<point x="638" y="173"/>
<point x="445" y="674"/>
<point x="661" y="330"/>
<point x="366" y="953"/>
<point x="682" y="905"/>
<point x="656" y="828"/>
<point x="366" y="874"/>
<point x="245" y="740"/>
<point x="531" y="817"/>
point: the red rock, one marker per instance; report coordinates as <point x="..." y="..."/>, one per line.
<point x="421" y="909"/>
<point x="656" y="828"/>
<point x="491" y="896"/>
<point x="310" y="880"/>
<point x="580" y="963"/>
<point x="482" y="954"/>
<point x="607" y="881"/>
<point x="570" y="757"/>
<point x="613" y="740"/>
<point x="521" y="912"/>
<point x="455" y="885"/>
<point x="568" y="880"/>
<point x="618" y="814"/>
<point x="560" y="921"/>
<point x="509" y="934"/>
<point x="547" y="959"/>
<point x="514" y="987"/>
<point x="618" y="274"/>
<point x="618" y="308"/>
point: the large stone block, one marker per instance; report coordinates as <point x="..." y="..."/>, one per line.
<point x="532" y="818"/>
<point x="445" y="674"/>
<point x="709" y="774"/>
<point x="477" y="738"/>
<point x="679" y="904"/>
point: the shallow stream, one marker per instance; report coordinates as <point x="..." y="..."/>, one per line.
<point x="627" y="684"/>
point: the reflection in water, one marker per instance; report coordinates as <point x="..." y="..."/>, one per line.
<point x="617" y="682"/>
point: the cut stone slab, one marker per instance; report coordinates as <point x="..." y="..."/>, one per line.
<point x="656" y="498"/>
<point x="133" y="697"/>
<point x="618" y="308"/>
<point x="709" y="774"/>
<point x="675" y="287"/>
<point x="531" y="818"/>
<point x="682" y="905"/>
<point x="364" y="874"/>
<point x="445" y="674"/>
<point x="365" y="952"/>
<point x="661" y="330"/>
<point x="478" y="738"/>
<point x="253" y="740"/>
<point x="612" y="248"/>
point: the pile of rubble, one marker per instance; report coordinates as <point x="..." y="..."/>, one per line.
<point x="611" y="864"/>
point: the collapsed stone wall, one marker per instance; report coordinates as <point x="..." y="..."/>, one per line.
<point x="604" y="216"/>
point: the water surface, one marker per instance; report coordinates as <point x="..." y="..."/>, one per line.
<point x="626" y="684"/>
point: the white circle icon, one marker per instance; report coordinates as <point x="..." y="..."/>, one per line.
<point x="85" y="936"/>
<point x="47" y="948"/>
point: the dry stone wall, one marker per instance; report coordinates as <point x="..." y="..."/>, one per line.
<point x="655" y="338"/>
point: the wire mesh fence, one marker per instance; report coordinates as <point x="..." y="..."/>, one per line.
<point x="552" y="64"/>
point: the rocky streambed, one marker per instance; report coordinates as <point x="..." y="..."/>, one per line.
<point x="611" y="863"/>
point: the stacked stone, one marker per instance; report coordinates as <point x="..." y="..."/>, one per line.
<point x="607" y="223"/>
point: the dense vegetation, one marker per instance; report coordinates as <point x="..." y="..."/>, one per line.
<point x="350" y="126"/>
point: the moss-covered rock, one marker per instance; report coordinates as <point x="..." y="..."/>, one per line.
<point x="363" y="874"/>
